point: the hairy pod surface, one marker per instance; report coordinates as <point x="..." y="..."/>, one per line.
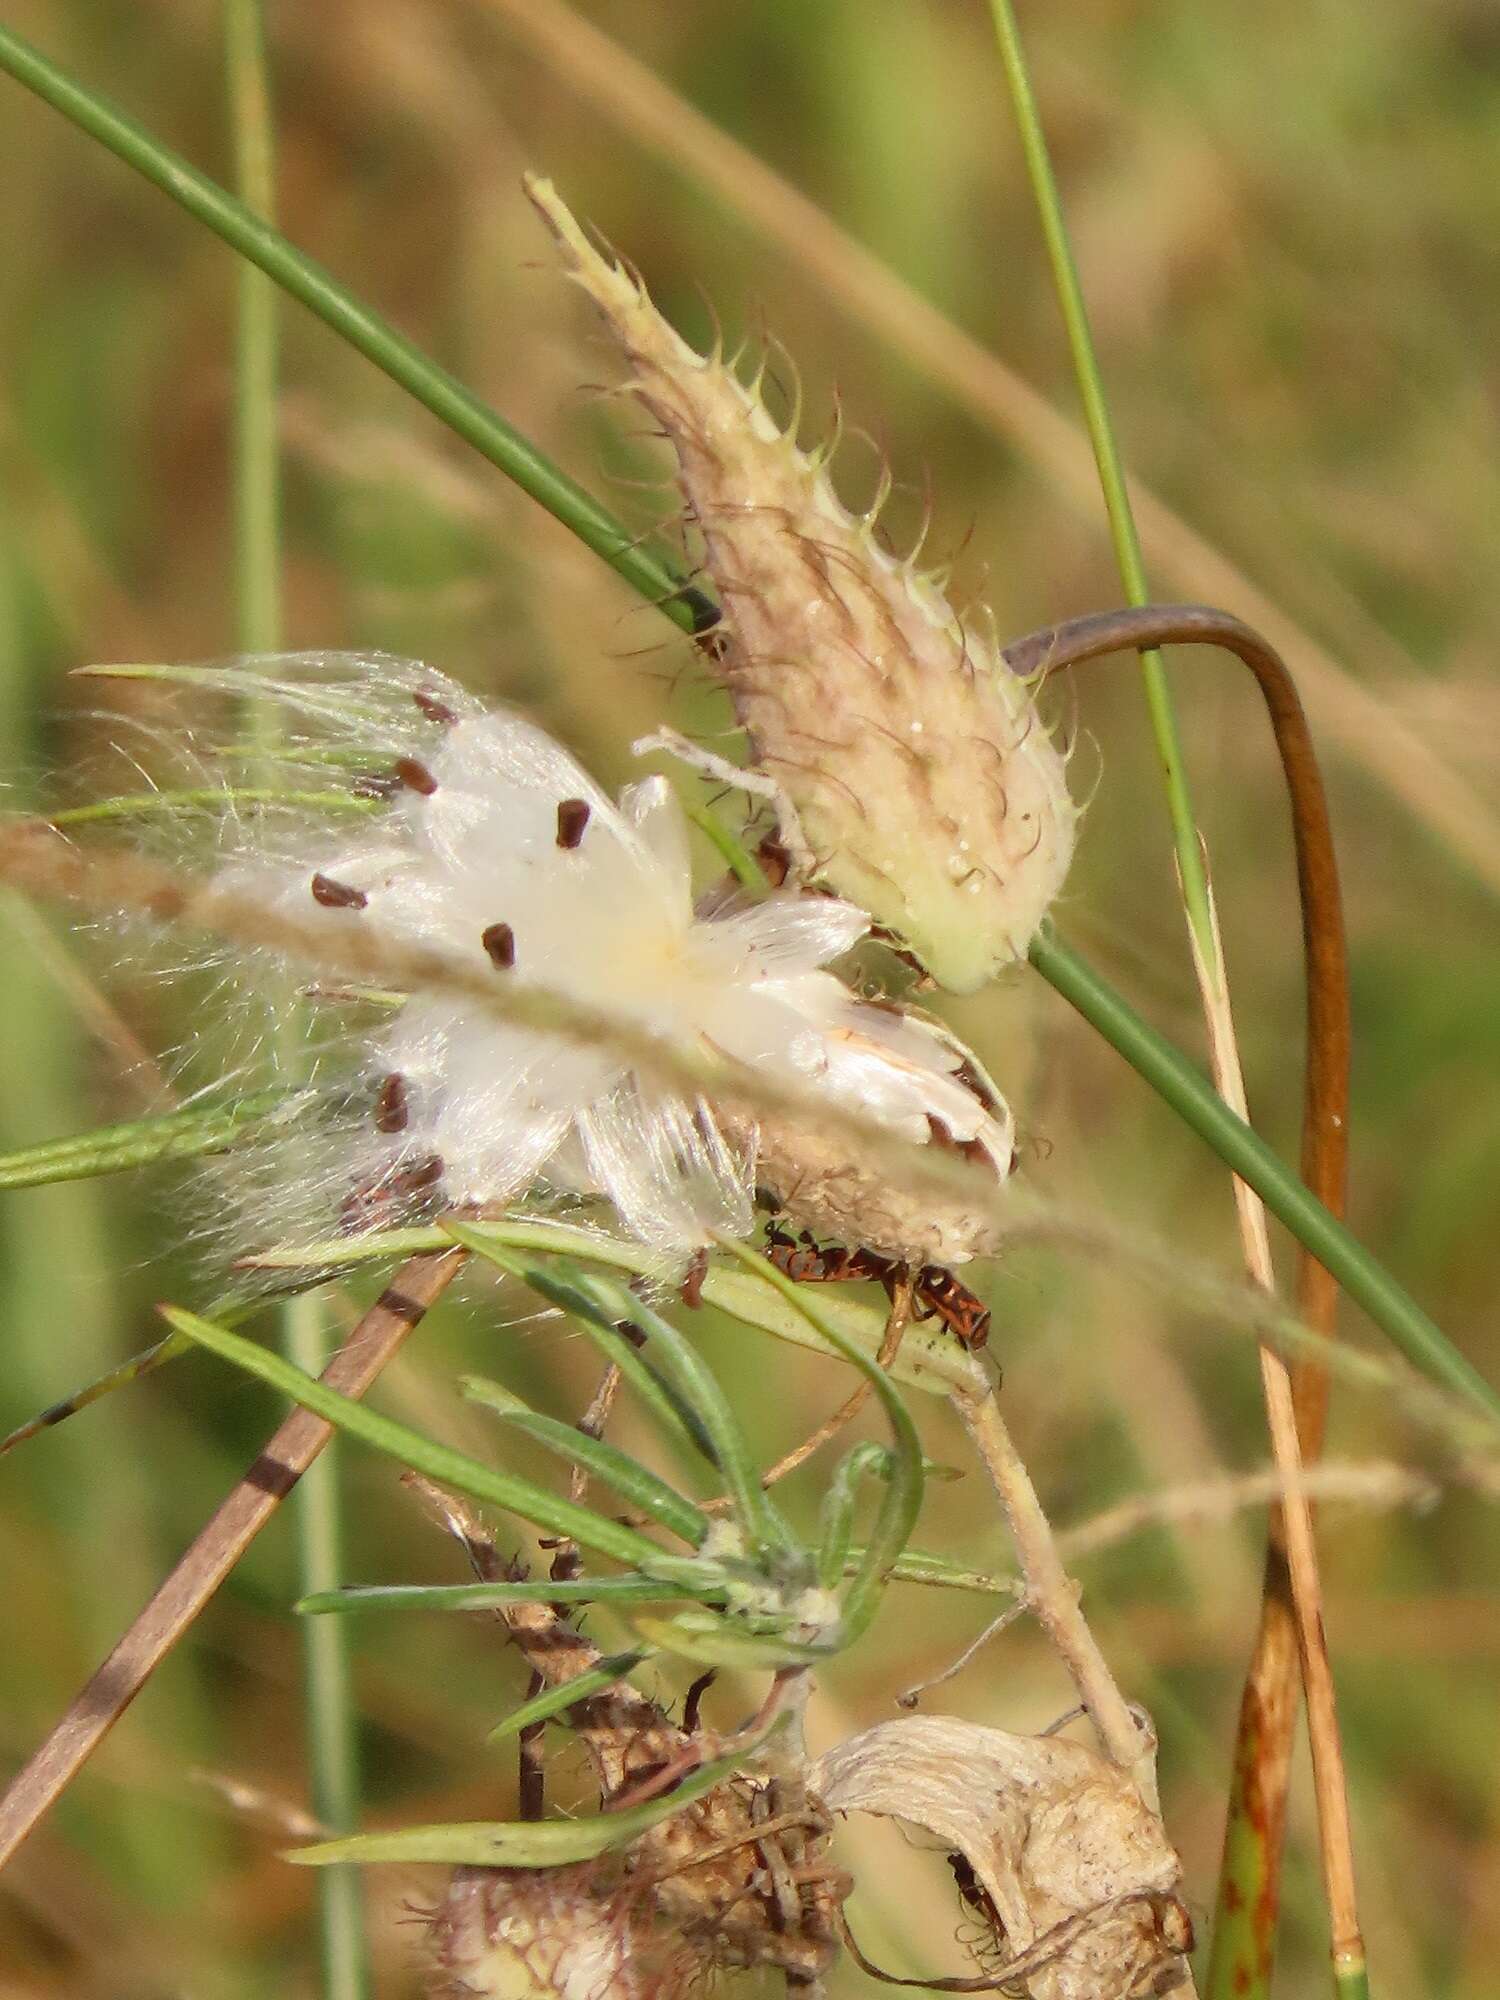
<point x="918" y="779"/>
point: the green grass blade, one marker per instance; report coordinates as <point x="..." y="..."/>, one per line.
<point x="601" y="1460"/>
<point x="1112" y="480"/>
<point x="1199" y="1105"/>
<point x="332" y="1725"/>
<point x="443" y="394"/>
<point x="141" y="1142"/>
<point x="544" y="1510"/>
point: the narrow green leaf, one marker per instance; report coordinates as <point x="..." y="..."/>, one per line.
<point x="558" y="1700"/>
<point x="930" y="1358"/>
<point x="632" y="1589"/>
<point x="915" y="1566"/>
<point x="903" y="1496"/>
<point x="120" y="1377"/>
<point x="724" y="1645"/>
<point x="666" y="1405"/>
<point x="692" y="1377"/>
<point x="523" y="1844"/>
<point x="602" y="1302"/>
<point x="176" y="1135"/>
<point x="836" y="1518"/>
<point x="603" y="1461"/>
<point x="547" y="1511"/>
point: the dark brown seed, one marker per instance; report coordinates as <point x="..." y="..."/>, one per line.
<point x="416" y="775"/>
<point x="337" y="895"/>
<point x="499" y="940"/>
<point x="392" y="1112"/>
<point x="572" y="818"/>
<point x="432" y="708"/>
<point x="420" y="1175"/>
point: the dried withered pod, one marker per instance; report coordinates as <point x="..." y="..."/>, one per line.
<point x="1069" y="1868"/>
<point x="477" y="837"/>
<point x="708" y="1854"/>
<point x="914" y="774"/>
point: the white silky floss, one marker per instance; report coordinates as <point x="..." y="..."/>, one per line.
<point x="496" y="847"/>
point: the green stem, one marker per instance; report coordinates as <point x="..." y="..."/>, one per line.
<point x="330" y="1717"/>
<point x="443" y="394"/>
<point x="1122" y="528"/>
<point x="1169" y="1073"/>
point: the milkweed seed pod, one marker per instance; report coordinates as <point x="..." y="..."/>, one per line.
<point x="917" y="776"/>
<point x="1065" y="1860"/>
<point x="481" y="841"/>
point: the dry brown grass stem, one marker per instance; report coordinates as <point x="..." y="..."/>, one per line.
<point x="850" y="278"/>
<point x="215" y="1549"/>
<point x="1336" y="1839"/>
<point x="1051" y="1594"/>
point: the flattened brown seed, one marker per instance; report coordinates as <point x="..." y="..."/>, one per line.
<point x="337" y="895"/>
<point x="416" y="776"/>
<point x="572" y="818"/>
<point x="392" y="1112"/>
<point x="432" y="708"/>
<point x="499" y="940"/>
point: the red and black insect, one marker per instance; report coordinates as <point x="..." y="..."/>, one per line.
<point x="936" y="1293"/>
<point x="973" y="1894"/>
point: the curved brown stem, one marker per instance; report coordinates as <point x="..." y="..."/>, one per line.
<point x="1244" y="1934"/>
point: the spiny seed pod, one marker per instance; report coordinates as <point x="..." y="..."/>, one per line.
<point x="548" y="1934"/>
<point x="917" y="777"/>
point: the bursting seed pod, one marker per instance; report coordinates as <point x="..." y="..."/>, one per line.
<point x="480" y="838"/>
<point x="912" y="771"/>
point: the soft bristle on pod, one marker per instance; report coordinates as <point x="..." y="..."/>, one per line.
<point x="544" y="1934"/>
<point x="918" y="779"/>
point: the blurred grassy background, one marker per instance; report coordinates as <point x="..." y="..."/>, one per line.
<point x="1286" y="227"/>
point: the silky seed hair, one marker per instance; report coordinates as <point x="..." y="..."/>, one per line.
<point x="496" y="848"/>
